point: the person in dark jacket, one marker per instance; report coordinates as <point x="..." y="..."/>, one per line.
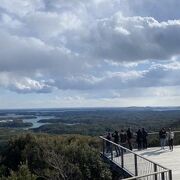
<point x="144" y="138"/>
<point x="129" y="138"/>
<point x="139" y="139"/>
<point x="123" y="137"/>
<point x="108" y="144"/>
<point x="162" y="137"/>
<point x="115" y="135"/>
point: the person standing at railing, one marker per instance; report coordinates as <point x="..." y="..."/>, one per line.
<point x="115" y="135"/>
<point x="139" y="139"/>
<point x="108" y="144"/>
<point x="144" y="138"/>
<point x="123" y="137"/>
<point x="162" y="136"/>
<point x="129" y="138"/>
<point x="170" y="139"/>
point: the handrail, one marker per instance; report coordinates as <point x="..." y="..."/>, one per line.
<point x="146" y="175"/>
<point x="133" y="152"/>
<point x="151" y="133"/>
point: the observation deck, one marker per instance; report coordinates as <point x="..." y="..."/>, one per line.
<point x="149" y="164"/>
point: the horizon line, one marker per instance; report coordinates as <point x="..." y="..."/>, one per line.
<point x="90" y="107"/>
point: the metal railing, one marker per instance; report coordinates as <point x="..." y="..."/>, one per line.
<point x="137" y="166"/>
<point x="151" y="133"/>
<point x="154" y="141"/>
<point x="164" y="175"/>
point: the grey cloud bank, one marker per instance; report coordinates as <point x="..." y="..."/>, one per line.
<point x="85" y="46"/>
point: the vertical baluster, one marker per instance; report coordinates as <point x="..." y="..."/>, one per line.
<point x="111" y="151"/>
<point x="119" y="158"/>
<point x="170" y="174"/>
<point x="135" y="163"/>
<point x="162" y="176"/>
<point x="103" y="147"/>
<point x="155" y="170"/>
<point x="122" y="157"/>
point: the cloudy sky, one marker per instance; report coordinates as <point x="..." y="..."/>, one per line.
<point x="79" y="53"/>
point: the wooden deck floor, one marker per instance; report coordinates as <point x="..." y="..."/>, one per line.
<point x="167" y="158"/>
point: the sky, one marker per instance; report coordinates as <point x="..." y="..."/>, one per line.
<point x="95" y="53"/>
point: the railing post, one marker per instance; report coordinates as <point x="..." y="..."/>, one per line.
<point x="122" y="157"/>
<point x="103" y="147"/>
<point x="162" y="176"/>
<point x="111" y="151"/>
<point x="170" y="174"/>
<point x="135" y="163"/>
<point x="155" y="170"/>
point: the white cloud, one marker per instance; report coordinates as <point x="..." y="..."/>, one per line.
<point x="89" y="46"/>
<point x="24" y="84"/>
<point x="172" y="65"/>
<point x="20" y="7"/>
<point x="51" y="24"/>
<point x="8" y="22"/>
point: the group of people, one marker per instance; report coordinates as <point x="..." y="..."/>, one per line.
<point x="166" y="137"/>
<point x="124" y="138"/>
<point x="141" y="139"/>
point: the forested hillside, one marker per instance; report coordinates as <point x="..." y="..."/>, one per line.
<point x="97" y="122"/>
<point x="71" y="157"/>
